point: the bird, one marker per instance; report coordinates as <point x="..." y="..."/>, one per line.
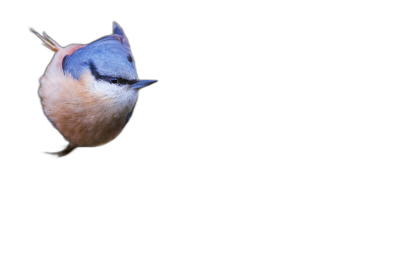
<point x="89" y="91"/>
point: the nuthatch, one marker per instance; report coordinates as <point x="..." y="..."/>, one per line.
<point x="88" y="92"/>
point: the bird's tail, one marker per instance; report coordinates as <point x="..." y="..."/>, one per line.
<point x="66" y="151"/>
<point x="48" y="41"/>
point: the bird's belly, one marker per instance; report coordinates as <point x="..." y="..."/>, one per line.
<point x="83" y="112"/>
<point x="91" y="127"/>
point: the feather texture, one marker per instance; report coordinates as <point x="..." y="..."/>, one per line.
<point x="86" y="112"/>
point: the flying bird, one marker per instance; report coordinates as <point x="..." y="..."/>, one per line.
<point x="88" y="92"/>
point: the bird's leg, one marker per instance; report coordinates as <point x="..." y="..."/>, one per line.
<point x="49" y="43"/>
<point x="64" y="152"/>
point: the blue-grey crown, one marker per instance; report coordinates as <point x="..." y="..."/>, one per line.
<point x="107" y="58"/>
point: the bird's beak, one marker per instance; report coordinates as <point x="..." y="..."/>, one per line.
<point x="143" y="83"/>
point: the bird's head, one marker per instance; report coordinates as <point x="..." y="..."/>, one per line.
<point x="108" y="59"/>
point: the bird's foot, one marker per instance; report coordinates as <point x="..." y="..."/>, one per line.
<point x="49" y="43"/>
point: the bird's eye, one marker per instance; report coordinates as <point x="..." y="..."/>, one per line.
<point x="114" y="80"/>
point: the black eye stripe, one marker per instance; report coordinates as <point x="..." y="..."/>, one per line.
<point x="112" y="79"/>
